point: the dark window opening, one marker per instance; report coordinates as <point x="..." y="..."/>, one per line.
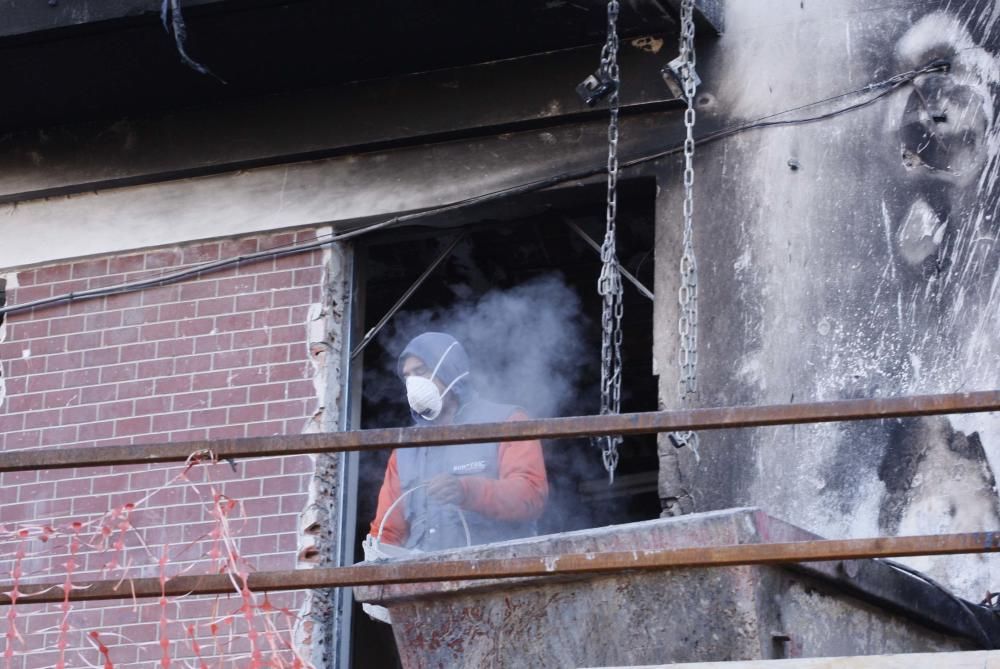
<point x="502" y="250"/>
<point x="3" y="298"/>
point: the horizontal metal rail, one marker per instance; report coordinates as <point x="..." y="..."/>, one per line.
<point x="548" y="428"/>
<point x="426" y="571"/>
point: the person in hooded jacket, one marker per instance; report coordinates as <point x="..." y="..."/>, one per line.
<point x="457" y="495"/>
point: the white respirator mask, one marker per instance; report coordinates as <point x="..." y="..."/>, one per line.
<point x="423" y="395"/>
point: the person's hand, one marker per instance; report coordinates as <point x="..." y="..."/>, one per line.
<point x="446" y="489"/>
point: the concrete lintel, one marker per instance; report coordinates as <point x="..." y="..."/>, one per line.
<point x="342" y="192"/>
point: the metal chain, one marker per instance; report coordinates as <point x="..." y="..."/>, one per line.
<point x="609" y="285"/>
<point x="688" y="292"/>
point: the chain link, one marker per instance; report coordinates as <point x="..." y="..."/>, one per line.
<point x="687" y="381"/>
<point x="609" y="284"/>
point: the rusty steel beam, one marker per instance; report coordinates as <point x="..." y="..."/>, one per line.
<point x="418" y="571"/>
<point x="549" y="428"/>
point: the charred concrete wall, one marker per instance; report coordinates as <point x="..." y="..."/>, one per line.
<point x="854" y="256"/>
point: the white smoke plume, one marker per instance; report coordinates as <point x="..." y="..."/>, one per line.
<point x="527" y="345"/>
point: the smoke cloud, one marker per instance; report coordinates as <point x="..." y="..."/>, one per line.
<point x="527" y="345"/>
<point x="530" y="345"/>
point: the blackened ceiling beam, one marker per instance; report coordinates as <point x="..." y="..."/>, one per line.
<point x="479" y="100"/>
<point x="68" y="61"/>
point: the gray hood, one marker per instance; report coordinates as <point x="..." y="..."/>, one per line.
<point x="429" y="347"/>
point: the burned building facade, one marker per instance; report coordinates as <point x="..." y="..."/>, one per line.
<point x="845" y="188"/>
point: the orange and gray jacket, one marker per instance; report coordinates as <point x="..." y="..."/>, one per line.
<point x="504" y="484"/>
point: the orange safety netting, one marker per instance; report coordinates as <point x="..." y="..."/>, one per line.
<point x="242" y="629"/>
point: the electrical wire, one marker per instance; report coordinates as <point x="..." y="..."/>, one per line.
<point x="888" y="86"/>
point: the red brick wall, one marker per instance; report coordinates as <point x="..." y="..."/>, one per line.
<point x="223" y="355"/>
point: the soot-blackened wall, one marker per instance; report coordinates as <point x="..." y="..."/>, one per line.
<point x="855" y="256"/>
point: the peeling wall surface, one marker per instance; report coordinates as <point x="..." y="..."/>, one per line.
<point x="855" y="256"/>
